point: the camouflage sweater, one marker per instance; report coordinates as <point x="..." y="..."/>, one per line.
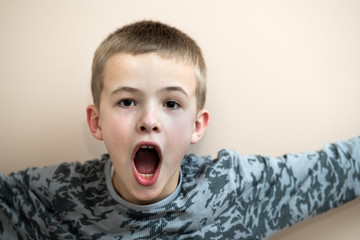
<point x="231" y="197"/>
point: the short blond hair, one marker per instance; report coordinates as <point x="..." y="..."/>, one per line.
<point x="146" y="37"/>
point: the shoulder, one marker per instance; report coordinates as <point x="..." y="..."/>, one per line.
<point x="196" y="162"/>
<point x="229" y="170"/>
<point x="75" y="179"/>
<point x="226" y="160"/>
<point x="86" y="172"/>
<point x="68" y="172"/>
<point x="200" y="170"/>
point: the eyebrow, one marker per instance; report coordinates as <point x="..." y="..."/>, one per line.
<point x="175" y="89"/>
<point x="125" y="89"/>
<point x="137" y="91"/>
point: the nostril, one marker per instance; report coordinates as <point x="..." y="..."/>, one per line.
<point x="143" y="128"/>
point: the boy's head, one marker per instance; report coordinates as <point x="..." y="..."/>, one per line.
<point x="149" y="37"/>
<point x="149" y="90"/>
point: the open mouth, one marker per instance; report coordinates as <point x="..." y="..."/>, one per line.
<point x="146" y="164"/>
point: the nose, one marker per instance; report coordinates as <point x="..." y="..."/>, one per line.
<point x="149" y="121"/>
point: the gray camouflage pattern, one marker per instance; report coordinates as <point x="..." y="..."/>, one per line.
<point x="231" y="197"/>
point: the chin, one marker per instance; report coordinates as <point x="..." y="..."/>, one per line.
<point x="147" y="197"/>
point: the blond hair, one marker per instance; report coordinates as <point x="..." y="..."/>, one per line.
<point x="146" y="37"/>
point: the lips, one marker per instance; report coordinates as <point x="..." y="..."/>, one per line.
<point x="147" y="161"/>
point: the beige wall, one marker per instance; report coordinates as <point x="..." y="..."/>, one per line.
<point x="284" y="77"/>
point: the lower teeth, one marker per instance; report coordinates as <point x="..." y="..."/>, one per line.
<point x="144" y="175"/>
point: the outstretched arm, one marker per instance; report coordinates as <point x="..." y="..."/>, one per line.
<point x="278" y="192"/>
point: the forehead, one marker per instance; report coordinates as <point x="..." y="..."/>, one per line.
<point x="148" y="70"/>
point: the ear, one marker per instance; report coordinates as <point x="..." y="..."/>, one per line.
<point x="200" y="126"/>
<point x="93" y="120"/>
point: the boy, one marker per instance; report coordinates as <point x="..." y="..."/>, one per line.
<point x="148" y="85"/>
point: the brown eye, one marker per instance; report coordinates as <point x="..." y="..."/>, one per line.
<point x="171" y="105"/>
<point x="127" y="103"/>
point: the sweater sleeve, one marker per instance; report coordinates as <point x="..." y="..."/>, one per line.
<point x="278" y="192"/>
<point x="24" y="205"/>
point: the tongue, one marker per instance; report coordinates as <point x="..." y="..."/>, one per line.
<point x="146" y="161"/>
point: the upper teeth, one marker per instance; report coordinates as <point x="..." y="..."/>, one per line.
<point x="149" y="147"/>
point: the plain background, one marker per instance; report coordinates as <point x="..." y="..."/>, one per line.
<point x="284" y="77"/>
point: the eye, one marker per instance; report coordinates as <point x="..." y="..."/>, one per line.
<point x="127" y="103"/>
<point x="171" y="105"/>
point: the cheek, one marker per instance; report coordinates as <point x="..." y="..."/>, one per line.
<point x="181" y="128"/>
<point x="115" y="130"/>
